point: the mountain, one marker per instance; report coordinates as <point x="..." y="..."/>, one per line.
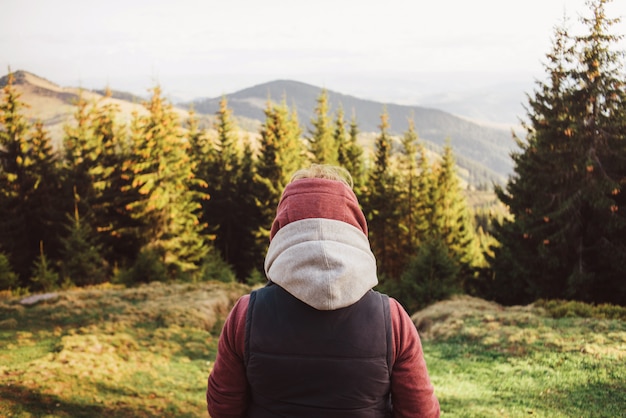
<point x="473" y="144"/>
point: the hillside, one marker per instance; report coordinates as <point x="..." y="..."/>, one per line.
<point x="473" y="143"/>
<point x="147" y="351"/>
<point x="55" y="105"/>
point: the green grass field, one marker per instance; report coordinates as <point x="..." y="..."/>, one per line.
<point x="147" y="352"/>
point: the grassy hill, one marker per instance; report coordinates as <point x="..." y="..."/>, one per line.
<point x="147" y="352"/>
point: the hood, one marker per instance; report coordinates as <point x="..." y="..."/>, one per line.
<point x="325" y="263"/>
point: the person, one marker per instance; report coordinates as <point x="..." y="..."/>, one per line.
<point x="317" y="340"/>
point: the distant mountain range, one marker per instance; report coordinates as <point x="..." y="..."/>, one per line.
<point x="473" y="143"/>
<point x="477" y="147"/>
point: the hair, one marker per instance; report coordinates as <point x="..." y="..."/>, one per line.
<point x="324" y="171"/>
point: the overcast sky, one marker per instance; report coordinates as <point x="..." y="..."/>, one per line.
<point x="221" y="46"/>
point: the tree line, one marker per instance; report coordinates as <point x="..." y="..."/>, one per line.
<point x="161" y="198"/>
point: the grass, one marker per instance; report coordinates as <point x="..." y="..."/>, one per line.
<point x="487" y="361"/>
<point x="112" y="352"/>
<point x="147" y="352"/>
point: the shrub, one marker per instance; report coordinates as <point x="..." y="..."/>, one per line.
<point x="432" y="275"/>
<point x="571" y="309"/>
<point x="43" y="274"/>
<point x="213" y="267"/>
<point x="8" y="278"/>
<point x="148" y="267"/>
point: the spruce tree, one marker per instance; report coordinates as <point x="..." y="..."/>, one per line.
<point x="281" y="153"/>
<point x="30" y="209"/>
<point x="322" y="143"/>
<point x="82" y="261"/>
<point x="231" y="211"/>
<point x="410" y="200"/>
<point x="8" y="278"/>
<point x="95" y="147"/>
<point x="161" y="185"/>
<point x="451" y="220"/>
<point x="353" y="154"/>
<point x="381" y="204"/>
<point x="566" y="235"/>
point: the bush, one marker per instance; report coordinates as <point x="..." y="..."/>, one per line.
<point x="148" y="267"/>
<point x="213" y="267"/>
<point x="43" y="274"/>
<point x="574" y="309"/>
<point x="255" y="278"/>
<point x="8" y="278"/>
<point x="432" y="275"/>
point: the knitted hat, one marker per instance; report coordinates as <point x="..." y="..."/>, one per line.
<point x="318" y="198"/>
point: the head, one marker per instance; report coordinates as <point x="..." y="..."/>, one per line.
<point x="323" y="171"/>
<point x="319" y="191"/>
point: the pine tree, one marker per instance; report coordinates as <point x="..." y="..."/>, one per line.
<point x="30" y="209"/>
<point x="44" y="276"/>
<point x="82" y="261"/>
<point x="566" y="235"/>
<point x="410" y="199"/>
<point x="201" y="153"/>
<point x="353" y="154"/>
<point x="8" y="278"/>
<point x="81" y="152"/>
<point x="108" y="203"/>
<point x="281" y="153"/>
<point x="161" y="175"/>
<point x="431" y="275"/>
<point x="381" y="204"/>
<point x="231" y="211"/>
<point x="322" y="143"/>
<point x="451" y="220"/>
<point x="95" y="147"/>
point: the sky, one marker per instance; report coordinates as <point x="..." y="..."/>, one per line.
<point x="209" y="48"/>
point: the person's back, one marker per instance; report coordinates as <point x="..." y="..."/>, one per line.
<point x="325" y="365"/>
<point x="317" y="340"/>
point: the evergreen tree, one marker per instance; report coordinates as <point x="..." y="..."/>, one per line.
<point x="81" y="152"/>
<point x="410" y="201"/>
<point x="30" y="209"/>
<point x="202" y="154"/>
<point x="231" y="211"/>
<point x="82" y="261"/>
<point x="322" y="143"/>
<point x="451" y="220"/>
<point x="353" y="154"/>
<point x="94" y="151"/>
<point x="381" y="204"/>
<point x="8" y="278"/>
<point x="431" y="275"/>
<point x="340" y="138"/>
<point x="44" y="276"/>
<point x="566" y="235"/>
<point x="281" y="153"/>
<point x="161" y="181"/>
<point x="108" y="204"/>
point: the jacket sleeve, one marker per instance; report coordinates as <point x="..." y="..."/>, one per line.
<point x="227" y="393"/>
<point x="412" y="393"/>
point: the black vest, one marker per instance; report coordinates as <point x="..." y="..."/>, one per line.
<point x="302" y="362"/>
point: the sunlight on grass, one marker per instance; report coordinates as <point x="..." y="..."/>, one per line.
<point x="487" y="361"/>
<point x="147" y="352"/>
<point x="114" y="352"/>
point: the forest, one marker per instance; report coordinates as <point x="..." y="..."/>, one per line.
<point x="162" y="199"/>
